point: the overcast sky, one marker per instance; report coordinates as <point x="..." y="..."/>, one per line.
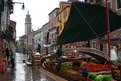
<point x="38" y="9"/>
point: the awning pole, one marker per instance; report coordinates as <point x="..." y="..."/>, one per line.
<point x="108" y="30"/>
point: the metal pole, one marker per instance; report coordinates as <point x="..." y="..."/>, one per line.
<point x="108" y="31"/>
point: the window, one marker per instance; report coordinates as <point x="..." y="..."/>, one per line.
<point x="93" y="44"/>
<point x="118" y="4"/>
<point x="101" y="47"/>
<point x="53" y="24"/>
<point x="58" y="18"/>
<point x="60" y="27"/>
<point x="57" y="30"/>
<point x="65" y="13"/>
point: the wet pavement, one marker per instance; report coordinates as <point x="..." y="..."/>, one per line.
<point x="22" y="72"/>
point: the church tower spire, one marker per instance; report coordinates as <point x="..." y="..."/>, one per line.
<point x="28" y="23"/>
<point x="28" y="12"/>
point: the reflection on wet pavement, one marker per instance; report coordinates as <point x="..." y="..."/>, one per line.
<point x="22" y="72"/>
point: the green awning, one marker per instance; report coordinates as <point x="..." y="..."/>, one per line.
<point x="86" y="22"/>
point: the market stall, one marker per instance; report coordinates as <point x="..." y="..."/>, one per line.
<point x="85" y="32"/>
<point x="74" y="68"/>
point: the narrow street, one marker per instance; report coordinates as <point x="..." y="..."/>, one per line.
<point x="22" y="72"/>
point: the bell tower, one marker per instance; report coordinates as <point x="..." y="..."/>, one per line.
<point x="28" y="23"/>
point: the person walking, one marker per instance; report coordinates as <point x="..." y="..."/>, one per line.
<point x="12" y="58"/>
<point x="7" y="54"/>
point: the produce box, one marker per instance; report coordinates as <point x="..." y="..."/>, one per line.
<point x="36" y="57"/>
<point x="65" y="68"/>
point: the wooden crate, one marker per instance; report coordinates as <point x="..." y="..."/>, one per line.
<point x="36" y="59"/>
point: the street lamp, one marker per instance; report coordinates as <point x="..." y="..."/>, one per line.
<point x="10" y="4"/>
<point x="23" y="6"/>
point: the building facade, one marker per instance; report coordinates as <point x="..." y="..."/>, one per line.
<point x="30" y="45"/>
<point x="44" y="37"/>
<point x="7" y="26"/>
<point x="53" y="29"/>
<point x="22" y="44"/>
<point x="36" y="40"/>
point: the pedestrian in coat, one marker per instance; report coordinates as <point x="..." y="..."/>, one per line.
<point x="12" y="58"/>
<point x="7" y="53"/>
